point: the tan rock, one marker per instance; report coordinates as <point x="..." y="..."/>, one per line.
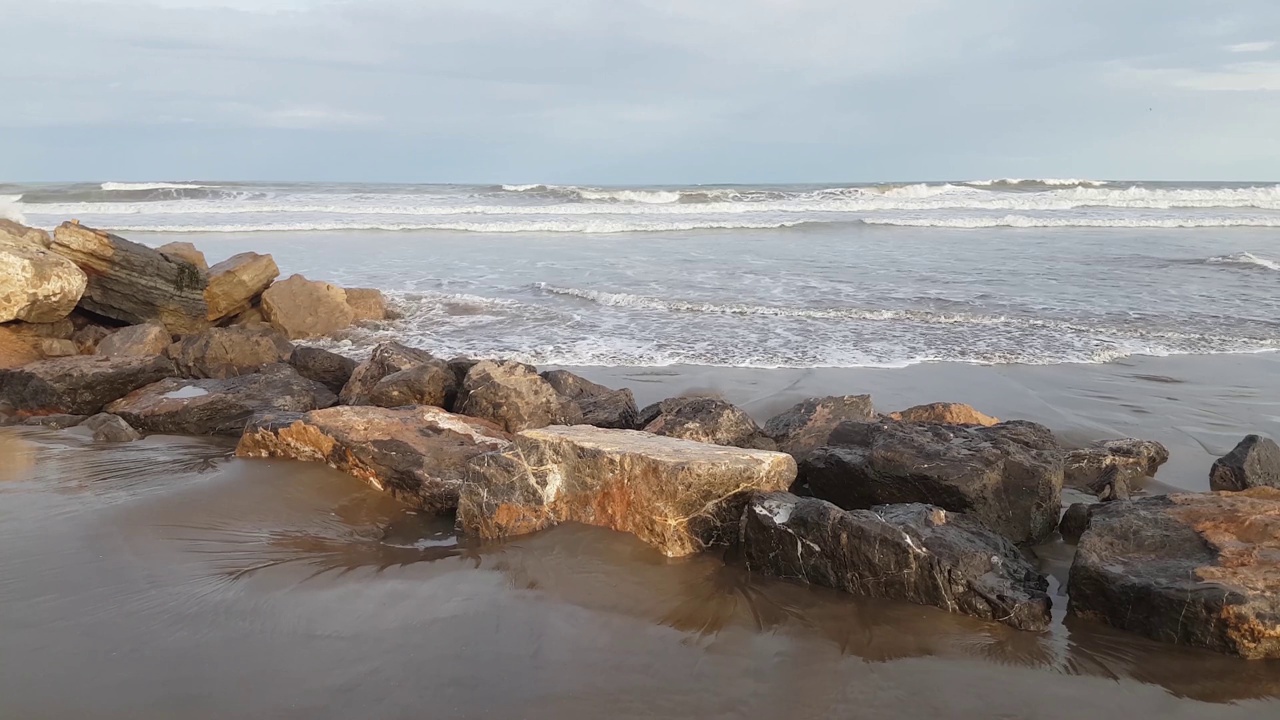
<point x="133" y="283"/>
<point x="17" y="235"/>
<point x="17" y="348"/>
<point x="367" y="304"/>
<point x="417" y="454"/>
<point x="704" y="419"/>
<point x="514" y="397"/>
<point x="184" y="252"/>
<point x="235" y="282"/>
<point x="677" y="495"/>
<point x="55" y="348"/>
<point x="89" y="337"/>
<point x="38" y="286"/>
<point x="230" y="351"/>
<point x="136" y="341"/>
<point x="945" y="414"/>
<point x="303" y="308"/>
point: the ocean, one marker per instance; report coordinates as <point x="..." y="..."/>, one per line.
<point x="793" y="276"/>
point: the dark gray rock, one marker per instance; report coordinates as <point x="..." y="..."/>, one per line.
<point x="111" y="428"/>
<point x="431" y="383"/>
<point x="327" y="368"/>
<point x="1074" y="522"/>
<point x="601" y="406"/>
<point x="1008" y="476"/>
<point x="806" y="426"/>
<point x="1255" y="462"/>
<point x="79" y="385"/>
<point x="386" y="359"/>
<point x="704" y="419"/>
<point x="913" y="552"/>
<point x="1192" y="569"/>
<point x="225" y="352"/>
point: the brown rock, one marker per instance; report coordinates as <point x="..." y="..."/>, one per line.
<point x="1112" y="468"/>
<point x="136" y="341"/>
<point x="184" y="252"/>
<point x="111" y="428"/>
<point x="513" y="396"/>
<point x="133" y="283"/>
<point x="329" y="369"/>
<point x="417" y="454"/>
<point x="1074" y="522"/>
<point x="1192" y="569"/>
<point x="37" y="286"/>
<point x="225" y="352"/>
<point x="55" y="348"/>
<point x="679" y="496"/>
<point x="704" y="419"/>
<point x="235" y="282"/>
<point x="806" y="427"/>
<point x="303" y="308"/>
<point x="944" y="414"/>
<point x="89" y="337"/>
<point x="17" y="235"/>
<point x="252" y="316"/>
<point x="79" y="385"/>
<point x="17" y="348"/>
<point x="367" y="304"/>
<point x="386" y="359"/>
<point x="1255" y="462"/>
<point x="601" y="406"/>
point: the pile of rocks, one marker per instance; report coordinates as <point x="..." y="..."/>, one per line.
<point x="937" y="505"/>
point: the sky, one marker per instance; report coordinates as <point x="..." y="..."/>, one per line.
<point x="639" y="91"/>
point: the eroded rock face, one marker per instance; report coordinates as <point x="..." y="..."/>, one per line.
<point x="601" y="406"/>
<point x="1191" y="569"/>
<point x="235" y="282"/>
<point x="431" y="383"/>
<point x="1112" y="468"/>
<point x="679" y="496"/>
<point x="184" y="252"/>
<point x="806" y="427"/>
<point x="219" y="407"/>
<point x="133" y="283"/>
<point x="417" y="454"/>
<point x="913" y="552"/>
<point x="37" y="286"/>
<point x="79" y="385"/>
<point x="944" y="414"/>
<point x="230" y="351"/>
<point x="367" y="304"/>
<point x="386" y="359"/>
<point x="1008" y="476"/>
<point x="17" y="235"/>
<point x="111" y="428"/>
<point x="135" y="341"/>
<point x="327" y="368"/>
<point x="514" y="397"/>
<point x="302" y="308"/>
<point x="704" y="419"/>
<point x="1255" y="462"/>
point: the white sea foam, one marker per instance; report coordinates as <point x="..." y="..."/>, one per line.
<point x="1246" y="259"/>
<point x="586" y="226"/>
<point x="121" y="186"/>
<point x="9" y="208"/>
<point x="1043" y="181"/>
<point x="1028" y="221"/>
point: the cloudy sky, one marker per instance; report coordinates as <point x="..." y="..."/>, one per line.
<point x="638" y="91"/>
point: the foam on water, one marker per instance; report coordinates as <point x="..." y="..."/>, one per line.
<point x="1246" y="259"/>
<point x="9" y="208"/>
<point x="127" y="187"/>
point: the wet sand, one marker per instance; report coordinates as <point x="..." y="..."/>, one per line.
<point x="165" y="579"/>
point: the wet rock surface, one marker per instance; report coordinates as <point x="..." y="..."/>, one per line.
<point x="1255" y="462"/>
<point x="806" y="426"/>
<point x="327" y="368"/>
<point x="704" y="419"/>
<point x="1074" y="522"/>
<point x="1113" y="469"/>
<point x="111" y="428"/>
<point x="513" y="396"/>
<point x="1192" y="569"/>
<point x="79" y="385"/>
<point x="912" y="552"/>
<point x="601" y="406"/>
<point x="1008" y="476"/>
<point x="677" y="495"/>
<point x="230" y="351"/>
<point x="367" y="304"/>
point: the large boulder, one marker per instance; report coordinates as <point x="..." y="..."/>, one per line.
<point x="327" y="368"/>
<point x="679" y="496"/>
<point x="184" y="252"/>
<point x="79" y="385"/>
<point x="224" y="352"/>
<point x="513" y="396"/>
<point x="133" y="283"/>
<point x="704" y="419"/>
<point x="136" y="341"/>
<point x="37" y="286"/>
<point x="1008" y="476"/>
<point x="17" y="235"/>
<point x="303" y="308"/>
<point x="219" y="407"/>
<point x="601" y="406"/>
<point x="110" y="428"/>
<point x="392" y="358"/>
<point x="1112" y="468"/>
<point x="1255" y="462"/>
<point x="914" y="552"/>
<point x="1191" y="569"/>
<point x="417" y="454"/>
<point x="944" y="414"/>
<point x="367" y="304"/>
<point x="235" y="282"/>
<point x="806" y="426"/>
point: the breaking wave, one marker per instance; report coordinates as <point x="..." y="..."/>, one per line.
<point x="1050" y="182"/>
<point x="583" y="225"/>
<point x="1246" y="259"/>
<point x="9" y="208"/>
<point x="129" y="187"/>
<point x="1029" y="221"/>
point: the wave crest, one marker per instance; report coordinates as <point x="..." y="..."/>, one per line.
<point x="129" y="187"/>
<point x="1246" y="259"/>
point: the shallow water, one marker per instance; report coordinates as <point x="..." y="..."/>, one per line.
<point x="164" y="579"/>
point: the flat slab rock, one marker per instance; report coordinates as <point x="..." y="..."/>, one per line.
<point x="1008" y="476"/>
<point x="79" y="385"/>
<point x="417" y="454"/>
<point x="219" y="407"/>
<point x="1191" y="569"/>
<point x="913" y="552"/>
<point x="677" y="495"/>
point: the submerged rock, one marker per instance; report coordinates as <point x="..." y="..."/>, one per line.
<point x="433" y="383"/>
<point x="806" y="426"/>
<point x="417" y="454"/>
<point x="327" y="368"/>
<point x="226" y="352"/>
<point x="704" y="419"/>
<point x="145" y="340"/>
<point x="1255" y="462"/>
<point x="913" y="552"/>
<point x="677" y="495"/>
<point x="513" y="396"/>
<point x="79" y="385"/>
<point x="219" y="406"/>
<point x="944" y="414"/>
<point x="601" y="406"/>
<point x="37" y="286"/>
<point x="1191" y="569"/>
<point x="302" y="308"/>
<point x="235" y="283"/>
<point x="111" y="428"/>
<point x="1008" y="476"/>
<point x="1112" y="468"/>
